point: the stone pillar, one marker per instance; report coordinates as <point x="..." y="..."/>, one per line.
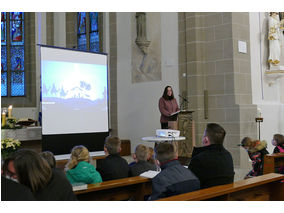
<point x="213" y="63"/>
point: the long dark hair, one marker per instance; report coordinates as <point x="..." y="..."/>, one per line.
<point x="165" y="95"/>
<point x="32" y="171"/>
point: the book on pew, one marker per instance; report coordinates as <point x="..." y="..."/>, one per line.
<point x="79" y="186"/>
<point x="149" y="174"/>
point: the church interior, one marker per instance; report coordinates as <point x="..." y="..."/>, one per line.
<point x="218" y="65"/>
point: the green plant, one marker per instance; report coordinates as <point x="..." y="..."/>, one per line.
<point x="8" y="146"/>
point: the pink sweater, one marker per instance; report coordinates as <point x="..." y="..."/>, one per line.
<point x="167" y="107"/>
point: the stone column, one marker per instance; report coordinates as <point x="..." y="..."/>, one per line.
<point x="213" y="63"/>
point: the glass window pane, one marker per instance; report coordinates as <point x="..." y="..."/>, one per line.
<point x="3" y="29"/>
<point x="16" y="15"/>
<point x="94" y="21"/>
<point x="94" y="42"/>
<point x="3" y="58"/>
<point x="81" y="23"/>
<point x="17" y="58"/>
<point x="82" y="42"/>
<point x="3" y="83"/>
<point x="16" y="33"/>
<point x="17" y="84"/>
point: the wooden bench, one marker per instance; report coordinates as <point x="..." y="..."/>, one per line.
<point x="272" y="161"/>
<point x="262" y="188"/>
<point x="114" y="190"/>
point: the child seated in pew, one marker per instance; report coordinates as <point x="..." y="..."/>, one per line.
<point x="278" y="142"/>
<point x="49" y="157"/>
<point x="79" y="169"/>
<point x="173" y="179"/>
<point x="141" y="165"/>
<point x="113" y="166"/>
<point x="256" y="150"/>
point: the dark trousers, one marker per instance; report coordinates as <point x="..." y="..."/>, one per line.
<point x="164" y="125"/>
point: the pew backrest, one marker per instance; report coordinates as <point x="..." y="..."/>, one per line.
<point x="121" y="189"/>
<point x="265" y="187"/>
<point x="272" y="161"/>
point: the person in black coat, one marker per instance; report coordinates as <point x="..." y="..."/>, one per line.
<point x="141" y="164"/>
<point x="113" y="166"/>
<point x="212" y="163"/>
<point x="13" y="191"/>
<point x="174" y="178"/>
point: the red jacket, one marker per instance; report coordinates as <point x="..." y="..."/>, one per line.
<point x="167" y="107"/>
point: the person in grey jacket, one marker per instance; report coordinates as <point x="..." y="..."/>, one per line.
<point x="174" y="178"/>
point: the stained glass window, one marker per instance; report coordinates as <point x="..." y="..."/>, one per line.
<point x="88" y="36"/>
<point x="12" y="54"/>
<point x="94" y="33"/>
<point x="82" y="41"/>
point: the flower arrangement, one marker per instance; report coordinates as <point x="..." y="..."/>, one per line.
<point x="8" y="146"/>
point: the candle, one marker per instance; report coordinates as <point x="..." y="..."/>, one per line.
<point x="258" y="112"/>
<point x="3" y="118"/>
<point x="10" y="111"/>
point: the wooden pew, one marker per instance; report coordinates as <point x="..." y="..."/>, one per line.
<point x="272" y="161"/>
<point x="115" y="190"/>
<point x="262" y="188"/>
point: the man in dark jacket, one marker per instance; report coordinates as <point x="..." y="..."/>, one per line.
<point x="174" y="179"/>
<point x="113" y="166"/>
<point x="212" y="163"/>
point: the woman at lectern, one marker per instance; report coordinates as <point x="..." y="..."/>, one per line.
<point x="167" y="106"/>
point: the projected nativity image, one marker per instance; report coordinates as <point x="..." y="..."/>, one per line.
<point x="74" y="97"/>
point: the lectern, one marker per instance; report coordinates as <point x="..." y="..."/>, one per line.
<point x="185" y="125"/>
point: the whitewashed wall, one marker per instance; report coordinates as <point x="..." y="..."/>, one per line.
<point x="138" y="114"/>
<point x="268" y="98"/>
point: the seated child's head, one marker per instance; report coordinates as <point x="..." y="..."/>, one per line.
<point x="165" y="152"/>
<point x="112" y="145"/>
<point x="278" y="140"/>
<point x="49" y="157"/>
<point x="141" y="153"/>
<point x="151" y="156"/>
<point x="78" y="154"/>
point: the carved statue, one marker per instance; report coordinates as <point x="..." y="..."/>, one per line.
<point x="141" y="39"/>
<point x="275" y="39"/>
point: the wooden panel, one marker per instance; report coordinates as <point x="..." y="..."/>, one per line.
<point x="125" y="148"/>
<point x="242" y="186"/>
<point x="134" y="188"/>
<point x="272" y="161"/>
<point x="185" y="147"/>
<point x="260" y="193"/>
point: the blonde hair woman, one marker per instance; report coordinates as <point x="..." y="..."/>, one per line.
<point x="79" y="169"/>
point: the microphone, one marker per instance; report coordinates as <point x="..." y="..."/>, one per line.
<point x="183" y="98"/>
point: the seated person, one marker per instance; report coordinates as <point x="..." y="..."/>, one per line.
<point x="79" y="169"/>
<point x="278" y="142"/>
<point x="140" y="156"/>
<point x="256" y="150"/>
<point x="174" y="178"/>
<point x="212" y="163"/>
<point x="113" y="166"/>
<point x="49" y="157"/>
<point x="31" y="170"/>
<point x="11" y="190"/>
